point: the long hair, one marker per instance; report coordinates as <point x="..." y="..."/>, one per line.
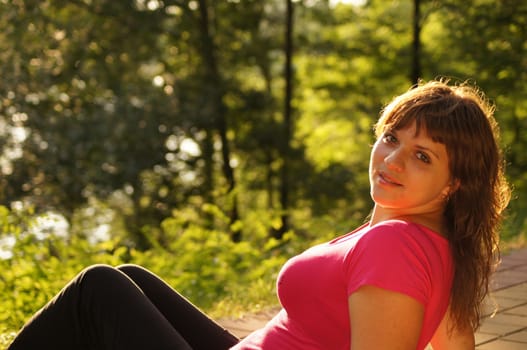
<point x="461" y="118"/>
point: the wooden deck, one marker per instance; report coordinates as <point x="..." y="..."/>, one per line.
<point x="507" y="330"/>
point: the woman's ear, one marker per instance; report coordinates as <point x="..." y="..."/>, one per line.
<point x="454" y="185"/>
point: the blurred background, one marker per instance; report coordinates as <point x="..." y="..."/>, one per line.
<point x="210" y="140"/>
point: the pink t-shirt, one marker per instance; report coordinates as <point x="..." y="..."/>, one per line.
<point x="314" y="287"/>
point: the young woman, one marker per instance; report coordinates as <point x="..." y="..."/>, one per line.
<point x="415" y="274"/>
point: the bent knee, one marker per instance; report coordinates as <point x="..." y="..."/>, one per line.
<point x="133" y="270"/>
<point x="96" y="268"/>
<point x="128" y="267"/>
<point x="100" y="273"/>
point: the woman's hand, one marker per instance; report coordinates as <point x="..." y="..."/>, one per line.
<point x="382" y="319"/>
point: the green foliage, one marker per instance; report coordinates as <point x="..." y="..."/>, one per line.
<point x="220" y="276"/>
<point x="99" y="100"/>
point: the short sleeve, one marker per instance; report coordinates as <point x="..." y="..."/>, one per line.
<point x="390" y="256"/>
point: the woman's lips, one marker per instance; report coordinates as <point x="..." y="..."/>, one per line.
<point x="387" y="179"/>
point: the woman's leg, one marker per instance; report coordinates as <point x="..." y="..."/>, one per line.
<point x="195" y="327"/>
<point x="102" y="308"/>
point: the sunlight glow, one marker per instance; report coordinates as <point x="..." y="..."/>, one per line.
<point x="358" y="3"/>
<point x="190" y="147"/>
<point x="50" y="223"/>
<point x="100" y="234"/>
<point x="6" y="247"/>
<point x="158" y="81"/>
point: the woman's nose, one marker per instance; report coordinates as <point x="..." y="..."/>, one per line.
<point x="394" y="160"/>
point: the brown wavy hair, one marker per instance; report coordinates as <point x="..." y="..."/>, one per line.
<point x="460" y="117"/>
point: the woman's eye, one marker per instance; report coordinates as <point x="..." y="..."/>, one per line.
<point x="389" y="138"/>
<point x="423" y="157"/>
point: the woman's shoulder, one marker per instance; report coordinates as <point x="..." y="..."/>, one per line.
<point x="395" y="248"/>
<point x="394" y="226"/>
<point x="393" y="233"/>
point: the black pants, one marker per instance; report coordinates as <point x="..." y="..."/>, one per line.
<point x="126" y="307"/>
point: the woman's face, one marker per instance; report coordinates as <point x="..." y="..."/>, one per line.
<point x="409" y="174"/>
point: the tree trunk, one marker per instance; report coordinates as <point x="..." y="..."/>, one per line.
<point x="218" y="109"/>
<point x="286" y="142"/>
<point x="208" y="156"/>
<point x="416" y="47"/>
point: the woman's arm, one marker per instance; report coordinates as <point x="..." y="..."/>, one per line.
<point x="382" y="319"/>
<point x="455" y="339"/>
